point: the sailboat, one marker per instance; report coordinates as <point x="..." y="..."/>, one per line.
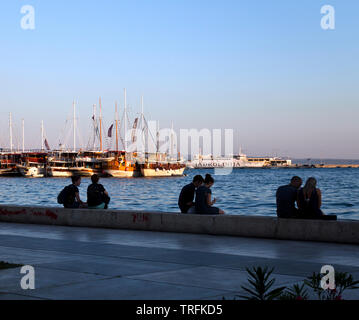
<point x="9" y="160"/>
<point x="161" y="164"/>
<point x="121" y="164"/>
<point x="33" y="164"/>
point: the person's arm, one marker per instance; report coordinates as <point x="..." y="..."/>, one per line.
<point x="77" y="195"/>
<point x="209" y="200"/>
<point x="319" y="198"/>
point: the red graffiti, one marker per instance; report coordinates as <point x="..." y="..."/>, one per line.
<point x="5" y="212"/>
<point x="47" y="213"/>
<point x="139" y="217"/>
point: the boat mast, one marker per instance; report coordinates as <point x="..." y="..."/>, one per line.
<point x="94" y="127"/>
<point x="42" y="135"/>
<point x="171" y="155"/>
<point x="100" y="124"/>
<point x="158" y="140"/>
<point x="74" y="106"/>
<point x="116" y="120"/>
<point x="10" y="128"/>
<point x="125" y="120"/>
<point x="23" y="135"/>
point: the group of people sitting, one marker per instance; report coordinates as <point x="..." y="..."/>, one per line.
<point x="308" y="200"/>
<point x="97" y="196"/>
<point x="196" y="198"/>
<point x="203" y="203"/>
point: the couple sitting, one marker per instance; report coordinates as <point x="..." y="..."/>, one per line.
<point x="204" y="203"/>
<point x="97" y="196"/>
<point x="308" y="199"/>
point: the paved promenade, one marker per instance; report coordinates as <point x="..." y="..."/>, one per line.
<point x="85" y="263"/>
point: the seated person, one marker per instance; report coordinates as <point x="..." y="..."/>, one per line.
<point x="204" y="203"/>
<point x="310" y="202"/>
<point x="72" y="195"/>
<point x="186" y="197"/>
<point x="97" y="196"/>
<point x="286" y="197"/>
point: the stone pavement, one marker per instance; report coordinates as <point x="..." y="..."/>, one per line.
<point x="86" y="263"/>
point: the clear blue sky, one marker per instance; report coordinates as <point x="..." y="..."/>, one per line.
<point x="264" y="68"/>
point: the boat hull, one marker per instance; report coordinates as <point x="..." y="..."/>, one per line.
<point x="9" y="172"/>
<point x="32" y="172"/>
<point x="59" y="172"/>
<point x="122" y="173"/>
<point x="158" y="172"/>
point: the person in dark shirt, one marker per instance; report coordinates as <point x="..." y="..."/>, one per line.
<point x="286" y="197"/>
<point x="310" y="202"/>
<point x="204" y="203"/>
<point x="185" y="200"/>
<point x="97" y="196"/>
<point x="72" y="199"/>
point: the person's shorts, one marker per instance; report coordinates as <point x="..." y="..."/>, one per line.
<point x="100" y="206"/>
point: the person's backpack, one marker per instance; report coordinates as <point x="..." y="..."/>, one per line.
<point x="94" y="195"/>
<point x="63" y="195"/>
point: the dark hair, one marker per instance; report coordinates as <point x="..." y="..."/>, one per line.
<point x="75" y="179"/>
<point x="95" y="178"/>
<point x="198" y="178"/>
<point x="208" y="179"/>
<point x="296" y="179"/>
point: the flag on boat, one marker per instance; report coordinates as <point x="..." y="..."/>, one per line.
<point x="109" y="134"/>
<point x="47" y="145"/>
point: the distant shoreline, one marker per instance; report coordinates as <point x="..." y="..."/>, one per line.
<point x="325" y="161"/>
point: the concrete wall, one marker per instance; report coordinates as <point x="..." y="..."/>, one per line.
<point x="245" y="226"/>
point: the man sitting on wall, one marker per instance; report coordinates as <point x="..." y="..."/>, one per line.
<point x="185" y="200"/>
<point x="287" y="197"/>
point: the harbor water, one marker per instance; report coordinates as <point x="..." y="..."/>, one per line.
<point x="242" y="192"/>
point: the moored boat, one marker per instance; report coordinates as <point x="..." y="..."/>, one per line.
<point x="118" y="164"/>
<point x="59" y="163"/>
<point x="33" y="164"/>
<point x="8" y="162"/>
<point x="88" y="163"/>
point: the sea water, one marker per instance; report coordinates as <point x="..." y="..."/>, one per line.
<point x="242" y="192"/>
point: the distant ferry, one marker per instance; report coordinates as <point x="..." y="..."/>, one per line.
<point x="237" y="161"/>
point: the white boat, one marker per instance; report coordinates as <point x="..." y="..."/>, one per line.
<point x="33" y="164"/>
<point x="237" y="161"/>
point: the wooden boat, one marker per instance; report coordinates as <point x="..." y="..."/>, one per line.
<point x="88" y="163"/>
<point x="162" y="169"/>
<point x="33" y="164"/>
<point x="8" y="162"/>
<point x="59" y="163"/>
<point x="118" y="164"/>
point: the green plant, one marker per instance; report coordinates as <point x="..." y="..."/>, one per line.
<point x="260" y="285"/>
<point x="296" y="292"/>
<point x="343" y="281"/>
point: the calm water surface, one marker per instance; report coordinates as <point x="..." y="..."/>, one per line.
<point x="244" y="191"/>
